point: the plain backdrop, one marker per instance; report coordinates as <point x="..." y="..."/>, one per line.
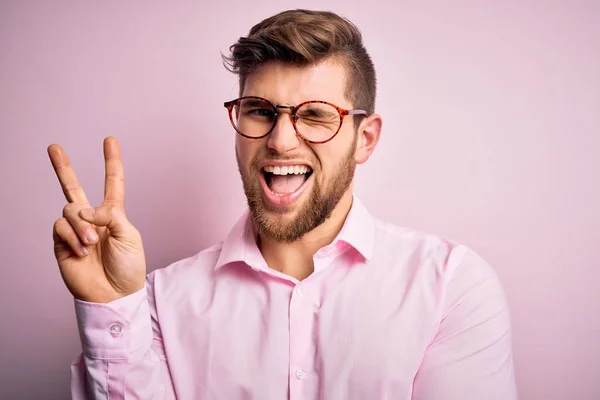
<point x="491" y="137"/>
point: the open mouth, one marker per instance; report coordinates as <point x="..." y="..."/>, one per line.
<point x="283" y="185"/>
<point x="286" y="180"/>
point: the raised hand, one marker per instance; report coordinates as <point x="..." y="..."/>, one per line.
<point x="99" y="252"/>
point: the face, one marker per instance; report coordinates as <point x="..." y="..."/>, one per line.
<point x="292" y="187"/>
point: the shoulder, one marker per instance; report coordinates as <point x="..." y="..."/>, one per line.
<point x="450" y="276"/>
<point x="436" y="257"/>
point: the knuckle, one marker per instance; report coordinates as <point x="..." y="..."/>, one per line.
<point x="114" y="211"/>
<point x="116" y="177"/>
<point x="69" y="209"/>
<point x="83" y="225"/>
<point x="64" y="230"/>
<point x="70" y="186"/>
<point x="58" y="224"/>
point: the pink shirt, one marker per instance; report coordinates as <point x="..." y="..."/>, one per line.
<point x="389" y="313"/>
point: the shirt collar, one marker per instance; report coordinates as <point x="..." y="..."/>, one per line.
<point x="359" y="229"/>
<point x="240" y="244"/>
<point x="237" y="241"/>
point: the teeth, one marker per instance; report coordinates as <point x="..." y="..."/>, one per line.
<point x="287" y="170"/>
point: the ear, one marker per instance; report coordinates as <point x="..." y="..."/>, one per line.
<point x="368" y="136"/>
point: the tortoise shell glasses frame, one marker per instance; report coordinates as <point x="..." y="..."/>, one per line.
<point x="230" y="105"/>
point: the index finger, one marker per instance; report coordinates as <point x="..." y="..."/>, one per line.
<point x="66" y="175"/>
<point x="114" y="186"/>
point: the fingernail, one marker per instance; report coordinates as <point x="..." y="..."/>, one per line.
<point x="84" y="251"/>
<point x="91" y="237"/>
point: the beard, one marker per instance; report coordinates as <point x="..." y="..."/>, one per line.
<point x="271" y="222"/>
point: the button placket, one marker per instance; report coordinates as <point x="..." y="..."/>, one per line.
<point x="301" y="326"/>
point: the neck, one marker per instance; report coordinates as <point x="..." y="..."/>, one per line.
<point x="296" y="259"/>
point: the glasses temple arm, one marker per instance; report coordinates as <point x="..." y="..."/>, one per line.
<point x="357" y="112"/>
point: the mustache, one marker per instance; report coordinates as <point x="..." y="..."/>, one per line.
<point x="260" y="158"/>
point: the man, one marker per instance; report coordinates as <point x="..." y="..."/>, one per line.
<point x="309" y="296"/>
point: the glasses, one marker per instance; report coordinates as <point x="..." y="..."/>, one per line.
<point x="315" y="121"/>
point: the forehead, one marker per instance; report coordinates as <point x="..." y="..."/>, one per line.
<point x="286" y="84"/>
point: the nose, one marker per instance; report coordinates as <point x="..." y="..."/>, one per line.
<point x="283" y="137"/>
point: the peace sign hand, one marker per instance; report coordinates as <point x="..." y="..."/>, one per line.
<point x="99" y="252"/>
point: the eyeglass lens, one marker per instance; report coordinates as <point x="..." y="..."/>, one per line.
<point x="314" y="121"/>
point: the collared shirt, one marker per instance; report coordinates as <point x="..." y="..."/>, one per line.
<point x="389" y="313"/>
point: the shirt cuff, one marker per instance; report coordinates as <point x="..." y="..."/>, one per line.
<point x="114" y="330"/>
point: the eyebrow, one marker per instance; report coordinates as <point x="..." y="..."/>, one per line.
<point x="253" y="102"/>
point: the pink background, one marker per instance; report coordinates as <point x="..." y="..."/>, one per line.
<point x="491" y="116"/>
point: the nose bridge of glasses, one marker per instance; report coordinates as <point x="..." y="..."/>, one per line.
<point x="289" y="110"/>
<point x="285" y="110"/>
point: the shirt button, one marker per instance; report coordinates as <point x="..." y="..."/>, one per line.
<point x="116" y="329"/>
<point x="299" y="291"/>
<point x="300" y="374"/>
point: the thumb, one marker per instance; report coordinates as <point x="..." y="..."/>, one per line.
<point x="112" y="217"/>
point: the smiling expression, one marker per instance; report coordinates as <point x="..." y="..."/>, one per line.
<point x="292" y="186"/>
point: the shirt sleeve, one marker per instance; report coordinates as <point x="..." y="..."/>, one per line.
<point x="122" y="350"/>
<point x="470" y="358"/>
